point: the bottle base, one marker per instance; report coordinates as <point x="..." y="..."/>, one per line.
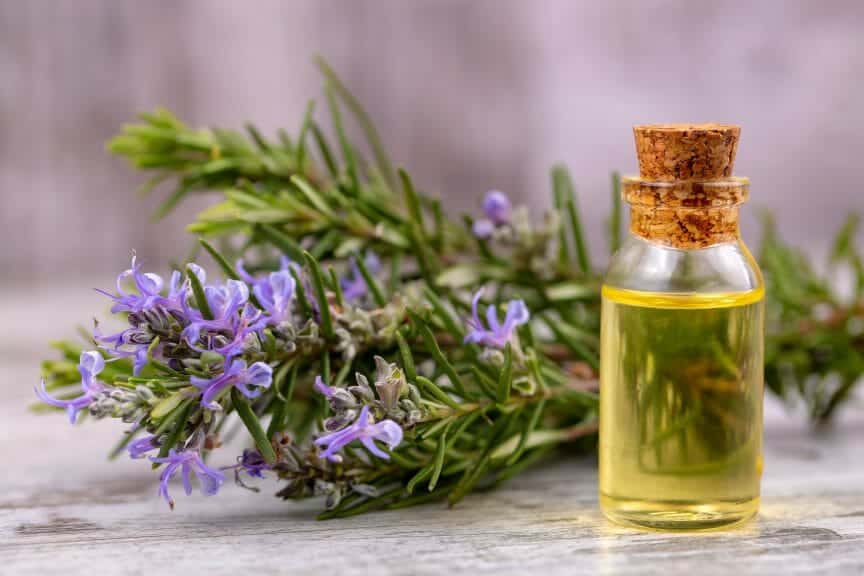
<point x="678" y="515"/>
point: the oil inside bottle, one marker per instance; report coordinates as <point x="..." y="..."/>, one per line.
<point x="681" y="408"/>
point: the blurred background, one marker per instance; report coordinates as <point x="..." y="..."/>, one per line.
<point x="468" y="95"/>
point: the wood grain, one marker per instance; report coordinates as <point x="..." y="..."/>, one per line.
<point x="65" y="509"/>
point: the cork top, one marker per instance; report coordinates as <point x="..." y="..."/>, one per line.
<point x="686" y="152"/>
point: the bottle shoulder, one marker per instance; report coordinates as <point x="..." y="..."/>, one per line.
<point x="648" y="266"/>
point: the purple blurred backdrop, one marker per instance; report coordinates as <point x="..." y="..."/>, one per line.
<point x="468" y="96"/>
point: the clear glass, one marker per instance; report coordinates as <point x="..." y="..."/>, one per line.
<point x="681" y="386"/>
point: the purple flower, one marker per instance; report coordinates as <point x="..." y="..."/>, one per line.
<point x="386" y="431"/>
<point x="145" y="306"/>
<point x="226" y="332"/>
<point x="275" y="294"/>
<point x="139" y="340"/>
<point x="497" y="207"/>
<point x="341" y="401"/>
<point x="273" y="291"/>
<point x="285" y="264"/>
<point x="224" y="303"/>
<point x="495" y="335"/>
<point x="498" y="211"/>
<point x="322" y="388"/>
<point x="483" y="228"/>
<point x="236" y="375"/>
<point x="149" y="295"/>
<point x="187" y="462"/>
<point x="253" y="463"/>
<point x="354" y="286"/>
<point x="138" y="448"/>
<point x="89" y="366"/>
<point x="139" y="354"/>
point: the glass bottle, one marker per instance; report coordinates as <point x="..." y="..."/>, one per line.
<point x="681" y="377"/>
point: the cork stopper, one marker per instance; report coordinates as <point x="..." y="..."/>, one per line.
<point x="681" y="152"/>
<point x="685" y="196"/>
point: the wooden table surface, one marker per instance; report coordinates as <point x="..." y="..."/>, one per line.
<point x="65" y="509"/>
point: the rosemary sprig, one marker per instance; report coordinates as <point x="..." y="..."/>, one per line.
<point x="388" y="339"/>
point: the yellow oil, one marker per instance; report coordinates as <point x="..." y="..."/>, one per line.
<point x="681" y="408"/>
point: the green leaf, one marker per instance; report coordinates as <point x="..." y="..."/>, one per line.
<point x="395" y="273"/>
<point x="437" y="355"/>
<point x="304" y="130"/>
<point x="232" y="143"/>
<point x="124" y="442"/>
<point x="407" y="357"/>
<point x="422" y="255"/>
<point x="168" y="205"/>
<point x="436" y="392"/>
<point x="534" y="368"/>
<point x="178" y="417"/>
<point x="424" y="473"/>
<point x="366" y="124"/>
<point x="349" y="246"/>
<point x="144" y="189"/>
<point x="559" y="199"/>
<point x="220" y="260"/>
<point x="570" y="342"/>
<point x="166" y="406"/>
<point x="325" y="245"/>
<point x="281" y="241"/>
<point x="198" y="291"/>
<point x="325" y="367"/>
<point x="320" y="295"/>
<point x="469" y="479"/>
<point x="285" y="139"/>
<point x="253" y="425"/>
<point x="371" y="283"/>
<point x="505" y="381"/>
<point x="365" y="506"/>
<point x="412" y="201"/>
<point x="489" y="386"/>
<point x="536" y="413"/>
<point x="433" y="430"/>
<point x="325" y="150"/>
<point x="336" y="286"/>
<point x="569" y="291"/>
<point x="563" y="185"/>
<point x="441" y="311"/>
<point x="256" y="136"/>
<point x="615" y="217"/>
<point x="440" y="223"/>
<point x="439" y="460"/>
<point x="226" y="268"/>
<point x="460" y="276"/>
<point x="302" y="300"/>
<point x="312" y="195"/>
<point x="344" y="143"/>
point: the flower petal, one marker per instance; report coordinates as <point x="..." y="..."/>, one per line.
<point x="90" y="364"/>
<point x="475" y="301"/>
<point x="497" y="207"/>
<point x="259" y="374"/>
<point x="517" y="314"/>
<point x="187" y="483"/>
<point x="389" y="432"/>
<point x="45" y="397"/>
<point x="482" y="228"/>
<point x="322" y="388"/>
<point x="369" y="443"/>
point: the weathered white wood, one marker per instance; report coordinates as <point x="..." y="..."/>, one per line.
<point x="64" y="509"/>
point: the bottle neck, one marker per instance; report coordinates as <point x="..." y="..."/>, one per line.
<point x="685" y="214"/>
<point x="685" y="228"/>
